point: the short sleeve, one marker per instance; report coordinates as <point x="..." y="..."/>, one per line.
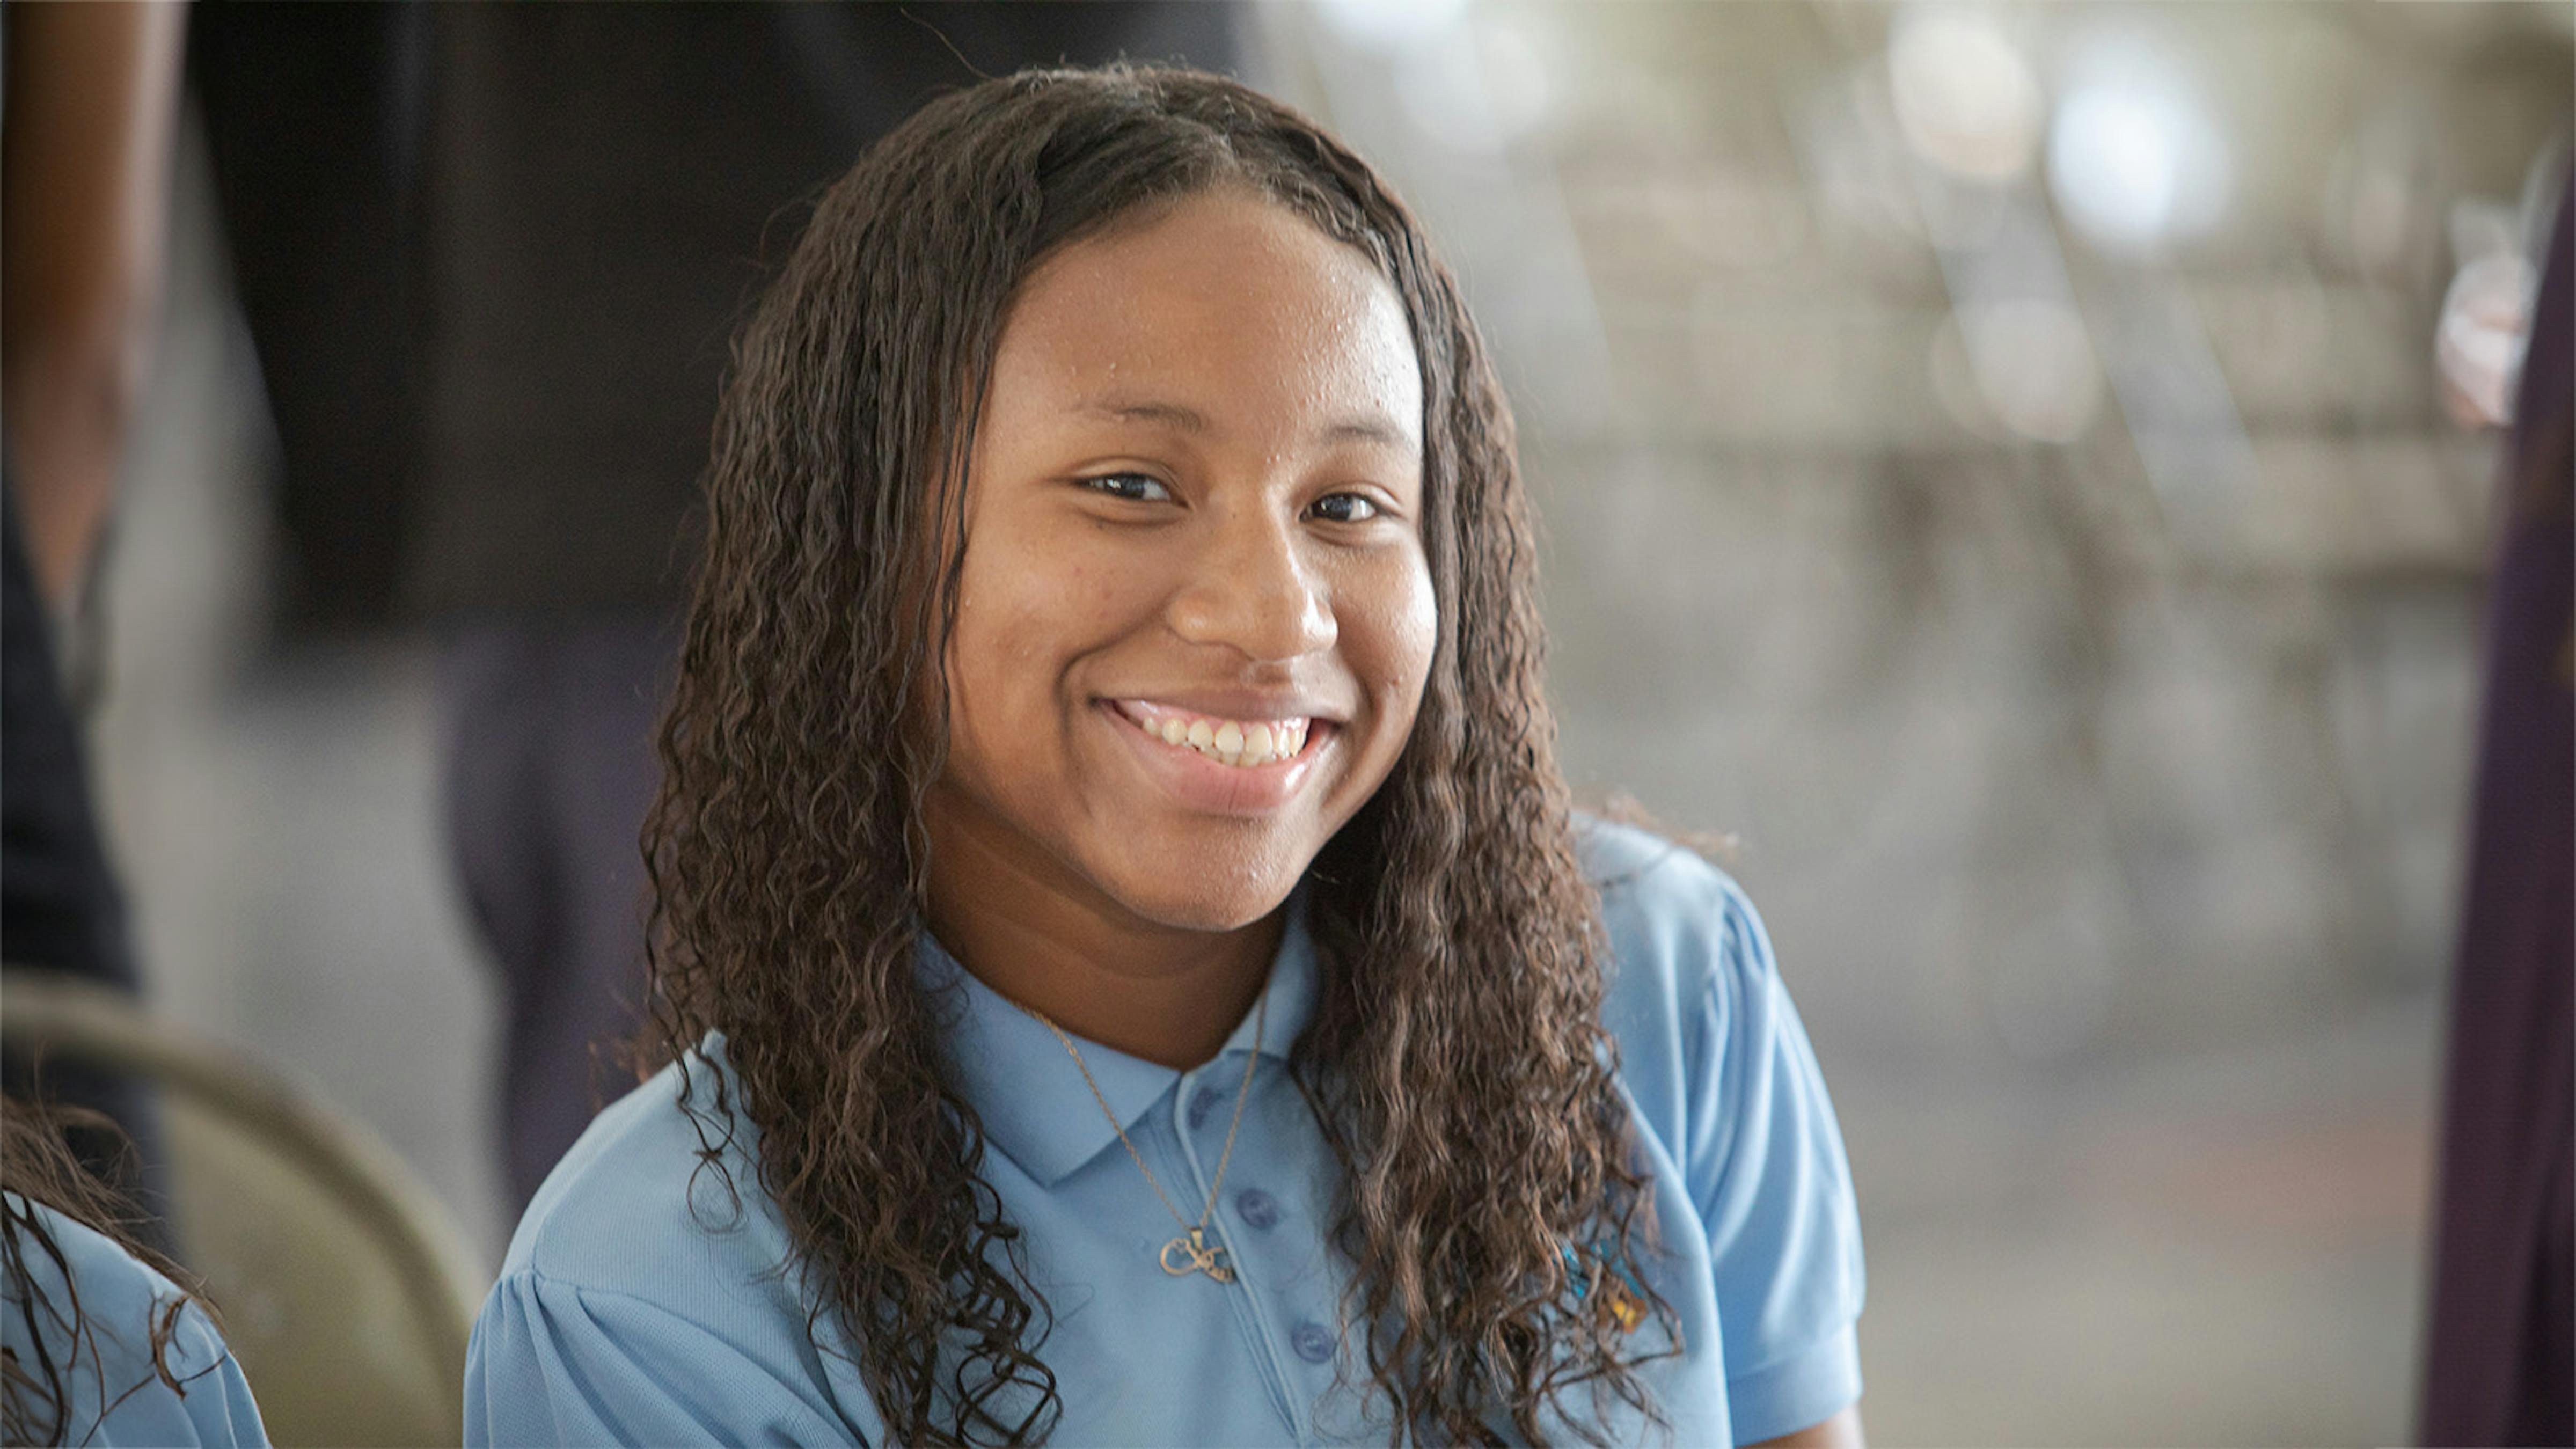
<point x="1766" y="1169"/>
<point x="555" y="1364"/>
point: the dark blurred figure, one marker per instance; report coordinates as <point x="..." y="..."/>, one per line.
<point x="2502" y="1346"/>
<point x="84" y="198"/>
<point x="492" y="257"/>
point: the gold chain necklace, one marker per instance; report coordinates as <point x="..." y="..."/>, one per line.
<point x="1191" y="1247"/>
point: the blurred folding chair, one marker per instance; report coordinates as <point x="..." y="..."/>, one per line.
<point x="345" y="1288"/>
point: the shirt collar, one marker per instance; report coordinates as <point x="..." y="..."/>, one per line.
<point x="1028" y="1092"/>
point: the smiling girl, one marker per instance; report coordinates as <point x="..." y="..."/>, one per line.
<point x="1127" y="967"/>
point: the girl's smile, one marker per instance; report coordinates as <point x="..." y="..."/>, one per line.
<point x="1226" y="758"/>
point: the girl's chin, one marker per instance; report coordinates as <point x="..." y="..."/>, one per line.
<point x="1201" y="891"/>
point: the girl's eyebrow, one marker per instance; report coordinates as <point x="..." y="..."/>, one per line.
<point x="1178" y="418"/>
<point x="1182" y="418"/>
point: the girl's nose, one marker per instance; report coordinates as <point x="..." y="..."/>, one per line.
<point x="1251" y="591"/>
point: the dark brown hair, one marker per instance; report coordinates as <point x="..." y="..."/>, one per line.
<point x="1457" y="1062"/>
<point x="38" y="1170"/>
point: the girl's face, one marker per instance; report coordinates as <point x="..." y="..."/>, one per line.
<point x="1195" y="613"/>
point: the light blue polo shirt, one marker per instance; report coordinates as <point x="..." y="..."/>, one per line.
<point x="628" y="1313"/>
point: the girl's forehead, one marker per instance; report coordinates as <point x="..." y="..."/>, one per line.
<point x="1223" y="303"/>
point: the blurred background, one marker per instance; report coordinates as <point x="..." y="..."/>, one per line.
<point x="1998" y="468"/>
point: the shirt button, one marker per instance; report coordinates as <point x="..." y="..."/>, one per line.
<point x="1200" y="1106"/>
<point x="1311" y="1340"/>
<point x="1257" y="1208"/>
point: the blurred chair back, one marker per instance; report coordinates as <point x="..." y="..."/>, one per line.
<point x="345" y="1288"/>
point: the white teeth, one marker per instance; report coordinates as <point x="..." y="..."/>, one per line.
<point x="1231" y="743"/>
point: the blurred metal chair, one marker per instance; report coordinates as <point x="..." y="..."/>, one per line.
<point x="344" y="1286"/>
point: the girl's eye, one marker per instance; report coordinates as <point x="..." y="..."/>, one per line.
<point x="1134" y="487"/>
<point x="1344" y="508"/>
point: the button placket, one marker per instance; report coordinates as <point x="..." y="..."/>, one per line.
<point x="1199" y="1166"/>
<point x="1255" y="1310"/>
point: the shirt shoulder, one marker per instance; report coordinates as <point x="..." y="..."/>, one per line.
<point x="1681" y="932"/>
<point x="651" y="1290"/>
<point x="1694" y="999"/>
<point x="116" y="1391"/>
<point x="660" y="1200"/>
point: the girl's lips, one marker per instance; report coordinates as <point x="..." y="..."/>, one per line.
<point x="1207" y="784"/>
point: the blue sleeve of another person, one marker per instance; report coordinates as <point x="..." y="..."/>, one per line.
<point x="1720" y="1066"/>
<point x="115" y="1393"/>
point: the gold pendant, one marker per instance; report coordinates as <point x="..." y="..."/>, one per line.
<point x="1197" y="1257"/>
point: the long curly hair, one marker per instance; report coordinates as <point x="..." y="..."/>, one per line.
<point x="1457" y="1062"/>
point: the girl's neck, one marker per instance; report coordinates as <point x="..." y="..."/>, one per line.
<point x="1033" y="932"/>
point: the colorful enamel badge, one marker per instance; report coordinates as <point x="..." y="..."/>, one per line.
<point x="1622" y="1298"/>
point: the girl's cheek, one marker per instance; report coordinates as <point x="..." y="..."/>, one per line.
<point x="1087" y="573"/>
<point x="1403" y="617"/>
